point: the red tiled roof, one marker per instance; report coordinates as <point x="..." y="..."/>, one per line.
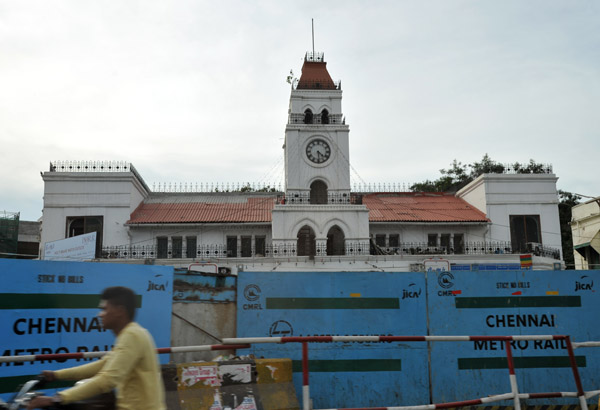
<point x="315" y="77"/>
<point x="420" y="207"/>
<point x="252" y="209"/>
<point x="383" y="207"/>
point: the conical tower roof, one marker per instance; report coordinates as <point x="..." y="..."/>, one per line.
<point x="314" y="74"/>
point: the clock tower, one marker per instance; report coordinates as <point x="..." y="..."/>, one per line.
<point x="316" y="138"/>
<point x="318" y="216"/>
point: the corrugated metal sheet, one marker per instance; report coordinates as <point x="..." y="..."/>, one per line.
<point x="420" y="207"/>
<point x="204" y="287"/>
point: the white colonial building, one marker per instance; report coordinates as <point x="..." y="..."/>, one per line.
<point x="317" y="221"/>
<point x="585" y="226"/>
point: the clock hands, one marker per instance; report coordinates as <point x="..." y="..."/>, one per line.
<point x="318" y="151"/>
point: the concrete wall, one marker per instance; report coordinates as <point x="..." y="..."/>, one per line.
<point x="201" y="323"/>
<point x="301" y="172"/>
<point x="289" y="219"/>
<point x="316" y="100"/>
<point x="502" y="195"/>
<point x="418" y="233"/>
<point x="204" y="312"/>
<point x="206" y="234"/>
<point x="111" y="195"/>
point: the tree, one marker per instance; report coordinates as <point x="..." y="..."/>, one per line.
<point x="459" y="175"/>
<point x="486" y="166"/>
<point x="531" y="168"/>
<point x="250" y="188"/>
<point x="567" y="200"/>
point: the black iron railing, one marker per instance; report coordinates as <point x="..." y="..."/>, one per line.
<point x="90" y="166"/>
<point x="468" y="248"/>
<point x="317" y="118"/>
<point x="305" y="198"/>
<point x="290" y="250"/>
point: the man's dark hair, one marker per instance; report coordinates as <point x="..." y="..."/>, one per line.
<point x="121" y="296"/>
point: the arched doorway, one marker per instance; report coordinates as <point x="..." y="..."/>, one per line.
<point x="335" y="241"/>
<point x="318" y="192"/>
<point x="306" y="242"/>
<point x="324" y="117"/>
<point x="308" y="116"/>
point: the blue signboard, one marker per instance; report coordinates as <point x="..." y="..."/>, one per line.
<point x="497" y="302"/>
<point x="342" y="303"/>
<point x="512" y="303"/>
<point x="51" y="307"/>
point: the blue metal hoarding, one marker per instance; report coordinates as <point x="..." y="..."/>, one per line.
<point x="458" y="302"/>
<point x="342" y="303"/>
<point x="51" y="307"/>
<point x="512" y="303"/>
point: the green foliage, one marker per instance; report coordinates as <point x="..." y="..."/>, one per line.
<point x="531" y="168"/>
<point x="486" y="166"/>
<point x="459" y="174"/>
<point x="249" y="188"/>
<point x="567" y="200"/>
<point x="426" y="186"/>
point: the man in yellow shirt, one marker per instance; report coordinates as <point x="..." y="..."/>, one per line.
<point x="131" y="367"/>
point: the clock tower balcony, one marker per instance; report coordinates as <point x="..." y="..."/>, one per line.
<point x="299" y="118"/>
<point x="332" y="198"/>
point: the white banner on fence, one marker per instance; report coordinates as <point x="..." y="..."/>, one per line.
<point x="77" y="248"/>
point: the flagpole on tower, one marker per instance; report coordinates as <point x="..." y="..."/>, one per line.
<point x="313" y="35"/>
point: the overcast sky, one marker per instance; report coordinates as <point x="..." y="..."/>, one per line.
<point x="195" y="91"/>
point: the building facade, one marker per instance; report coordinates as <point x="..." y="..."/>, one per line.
<point x="317" y="221"/>
<point x="585" y="226"/>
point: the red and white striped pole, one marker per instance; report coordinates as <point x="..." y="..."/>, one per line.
<point x="514" y="388"/>
<point x="300" y="339"/>
<point x="93" y="355"/>
<point x="580" y="392"/>
<point x="305" y="386"/>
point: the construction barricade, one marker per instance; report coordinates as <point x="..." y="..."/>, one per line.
<point x="267" y="383"/>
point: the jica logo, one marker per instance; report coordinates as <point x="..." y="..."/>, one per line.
<point x="584" y="284"/>
<point x="156" y="286"/>
<point x="412" y="292"/>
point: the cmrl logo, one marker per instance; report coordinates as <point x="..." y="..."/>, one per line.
<point x="252" y="294"/>
<point x="446" y="282"/>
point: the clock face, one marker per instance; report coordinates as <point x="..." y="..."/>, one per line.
<point x="318" y="151"/>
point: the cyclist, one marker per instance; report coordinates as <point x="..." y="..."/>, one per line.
<point x="132" y="366"/>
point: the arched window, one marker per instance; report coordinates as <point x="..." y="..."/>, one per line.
<point x="318" y="193"/>
<point x="335" y="241"/>
<point x="324" y="117"/>
<point x="308" y="116"/>
<point x="306" y="245"/>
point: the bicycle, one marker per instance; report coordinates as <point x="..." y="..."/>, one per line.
<point x="30" y="389"/>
